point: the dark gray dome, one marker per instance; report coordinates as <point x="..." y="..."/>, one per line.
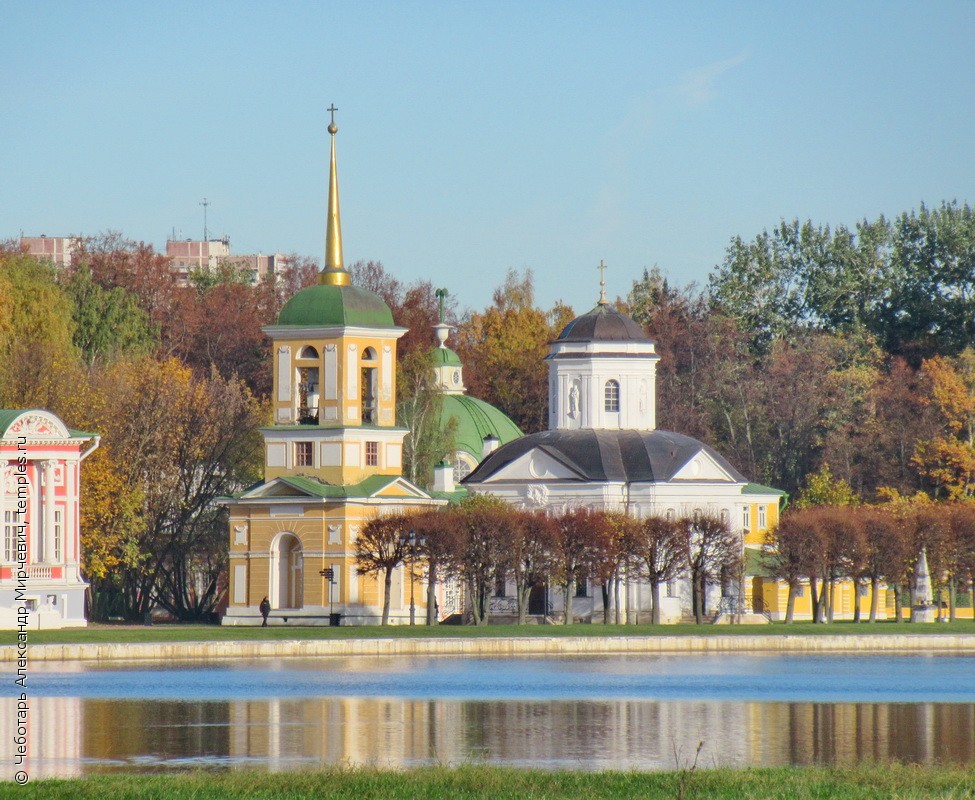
<point x="603" y="324"/>
<point x="606" y="455"/>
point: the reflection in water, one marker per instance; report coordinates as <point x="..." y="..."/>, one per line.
<point x="72" y="736"/>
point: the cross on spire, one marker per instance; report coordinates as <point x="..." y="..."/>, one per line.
<point x="332" y="127"/>
<point x="602" y="282"/>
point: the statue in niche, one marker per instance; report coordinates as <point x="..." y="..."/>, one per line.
<point x="643" y="397"/>
<point x="574" y="400"/>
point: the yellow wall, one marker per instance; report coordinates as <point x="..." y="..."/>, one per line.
<point x="346" y="408"/>
<point x="756" y="533"/>
<point x="775" y="597"/>
<point x="312" y="531"/>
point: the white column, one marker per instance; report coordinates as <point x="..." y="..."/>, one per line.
<point x="3" y="506"/>
<point x="47" y="506"/>
<point x="70" y="531"/>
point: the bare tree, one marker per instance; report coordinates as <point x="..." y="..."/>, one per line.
<point x="529" y="542"/>
<point x="714" y="551"/>
<point x="581" y="537"/>
<point x="380" y="548"/>
<point x="662" y="547"/>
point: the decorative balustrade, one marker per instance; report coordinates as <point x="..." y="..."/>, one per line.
<point x="38" y="571"/>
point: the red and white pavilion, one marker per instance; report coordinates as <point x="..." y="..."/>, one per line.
<point x="40" y="546"/>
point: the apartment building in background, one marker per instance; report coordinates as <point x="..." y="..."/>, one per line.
<point x="187" y="256"/>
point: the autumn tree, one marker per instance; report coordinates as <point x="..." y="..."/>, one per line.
<point x="788" y="553"/>
<point x="714" y="553"/>
<point x="879" y="543"/>
<point x="581" y="540"/>
<point x="176" y="443"/>
<point x="529" y="539"/>
<point x="440" y="531"/>
<point x="36" y="332"/>
<point x="962" y="521"/>
<point x="299" y="272"/>
<point x="480" y="555"/>
<point x="504" y="348"/>
<point x="947" y="461"/>
<point x="380" y="548"/>
<point x="661" y="547"/>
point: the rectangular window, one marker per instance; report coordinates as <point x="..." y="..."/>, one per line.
<point x="801" y="590"/>
<point x="372" y="454"/>
<point x="303" y="454"/>
<point x="746" y="518"/>
<point x="9" y="536"/>
<point x="672" y="588"/>
<point x="762" y="522"/>
<point x="58" y="536"/>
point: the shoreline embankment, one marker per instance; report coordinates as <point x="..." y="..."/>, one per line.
<point x="498" y="647"/>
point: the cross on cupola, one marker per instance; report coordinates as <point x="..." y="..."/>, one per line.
<point x="602" y="283"/>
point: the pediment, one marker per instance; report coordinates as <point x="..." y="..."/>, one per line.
<point x="702" y="467"/>
<point x="37" y="425"/>
<point x="399" y="487"/>
<point x="275" y="488"/>
<point x="536" y="465"/>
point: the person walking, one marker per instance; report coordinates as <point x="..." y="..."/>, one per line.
<point x="265" y="610"/>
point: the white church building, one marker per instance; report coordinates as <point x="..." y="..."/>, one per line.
<point x="603" y="451"/>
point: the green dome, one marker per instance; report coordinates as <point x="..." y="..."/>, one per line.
<point x="323" y="304"/>
<point x="476" y="420"/>
<point x="445" y="357"/>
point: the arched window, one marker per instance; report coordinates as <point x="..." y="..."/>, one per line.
<point x="368" y="387"/>
<point x="612" y="396"/>
<point x="463" y="466"/>
<point x="308" y="352"/>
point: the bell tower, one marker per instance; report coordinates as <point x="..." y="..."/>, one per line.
<point x="334" y="391"/>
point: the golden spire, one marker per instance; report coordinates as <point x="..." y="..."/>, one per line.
<point x="334" y="273"/>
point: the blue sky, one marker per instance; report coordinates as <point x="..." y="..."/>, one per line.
<point x="477" y="137"/>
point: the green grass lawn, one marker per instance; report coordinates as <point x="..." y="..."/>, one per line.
<point x="882" y="782"/>
<point x="196" y="633"/>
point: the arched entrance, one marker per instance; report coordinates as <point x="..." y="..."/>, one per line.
<point x="286" y="589"/>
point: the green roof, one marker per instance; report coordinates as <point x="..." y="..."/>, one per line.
<point x="365" y="488"/>
<point x="445" y="357"/>
<point x="453" y="498"/>
<point x="325" y="305"/>
<point x="757" y="488"/>
<point x="7" y="417"/>
<point x="476" y="420"/>
<point x="327" y="491"/>
<point x="755" y="565"/>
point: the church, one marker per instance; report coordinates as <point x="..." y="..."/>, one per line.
<point x="333" y="455"/>
<point x="603" y="451"/>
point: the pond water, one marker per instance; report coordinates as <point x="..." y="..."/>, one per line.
<point x="592" y="712"/>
